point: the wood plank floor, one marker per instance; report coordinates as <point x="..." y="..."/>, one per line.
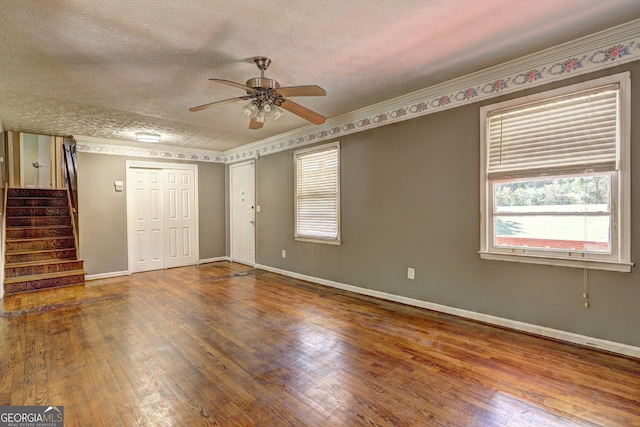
<point x="222" y="344"/>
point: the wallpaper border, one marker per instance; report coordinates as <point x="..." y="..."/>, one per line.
<point x="609" y="48"/>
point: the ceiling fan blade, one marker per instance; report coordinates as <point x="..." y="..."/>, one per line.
<point x="234" y="84"/>
<point x="214" y="104"/>
<point x="253" y="124"/>
<point x="310" y="90"/>
<point x="303" y="112"/>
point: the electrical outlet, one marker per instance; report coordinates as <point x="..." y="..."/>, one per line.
<point x="411" y="273"/>
<point x="284" y="253"/>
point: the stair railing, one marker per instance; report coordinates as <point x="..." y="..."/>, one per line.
<point x="70" y="175"/>
<point x="74" y="217"/>
<point x="3" y="236"/>
<point x="70" y="170"/>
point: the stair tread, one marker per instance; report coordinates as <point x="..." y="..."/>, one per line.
<point x="10" y="280"/>
<point x="43" y="262"/>
<point x="34" y="196"/>
<point x="37" y="251"/>
<point x="53" y="193"/>
<point x="39" y="197"/>
<point x="40" y="216"/>
<point x="34" y="239"/>
<point x="30" y="219"/>
<point x="37" y="227"/>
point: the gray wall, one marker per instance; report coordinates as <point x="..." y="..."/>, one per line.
<point x="103" y="217"/>
<point x="410" y="198"/>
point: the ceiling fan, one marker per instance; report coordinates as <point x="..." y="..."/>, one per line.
<point x="266" y="98"/>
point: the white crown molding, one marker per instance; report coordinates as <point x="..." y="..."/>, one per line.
<point x="88" y="144"/>
<point x="609" y="48"/>
<point x="586" y="341"/>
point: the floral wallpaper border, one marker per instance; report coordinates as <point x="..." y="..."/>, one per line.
<point x="92" y="145"/>
<point x="607" y="49"/>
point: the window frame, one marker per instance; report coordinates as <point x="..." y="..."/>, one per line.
<point x="620" y="192"/>
<point x="335" y="145"/>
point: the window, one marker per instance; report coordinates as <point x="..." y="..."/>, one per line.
<point x="555" y="171"/>
<point x="317" y="193"/>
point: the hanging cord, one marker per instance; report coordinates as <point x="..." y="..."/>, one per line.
<point x="585" y="278"/>
<point x="585" y="291"/>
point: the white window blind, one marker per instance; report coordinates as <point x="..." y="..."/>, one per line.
<point x="318" y="193"/>
<point x="569" y="134"/>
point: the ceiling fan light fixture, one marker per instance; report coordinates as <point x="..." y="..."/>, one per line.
<point x="277" y="113"/>
<point x="267" y="106"/>
<point x="259" y="116"/>
<point x="147" y="137"/>
<point x="250" y="109"/>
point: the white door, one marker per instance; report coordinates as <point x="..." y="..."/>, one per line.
<point x="45" y="145"/>
<point x="243" y="213"/>
<point x="35" y="160"/>
<point x="162" y="208"/>
<point x="145" y="186"/>
<point x="179" y="217"/>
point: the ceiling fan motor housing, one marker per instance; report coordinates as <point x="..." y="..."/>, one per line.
<point x="262" y="83"/>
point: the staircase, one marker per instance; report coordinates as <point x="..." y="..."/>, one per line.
<point x="40" y="250"/>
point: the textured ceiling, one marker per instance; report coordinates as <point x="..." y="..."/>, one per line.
<point x="111" y="68"/>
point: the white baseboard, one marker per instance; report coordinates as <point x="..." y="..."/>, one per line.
<point x="126" y="273"/>
<point x="586" y="341"/>
<point x="208" y="260"/>
<point x="105" y="275"/>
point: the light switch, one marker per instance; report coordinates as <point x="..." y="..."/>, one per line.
<point x="119" y="185"/>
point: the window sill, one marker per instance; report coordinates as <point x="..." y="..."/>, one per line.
<point x="591" y="264"/>
<point x="317" y="240"/>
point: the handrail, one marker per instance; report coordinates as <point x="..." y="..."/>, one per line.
<point x="69" y="177"/>
<point x="74" y="157"/>
<point x="3" y="236"/>
<point x="74" y="223"/>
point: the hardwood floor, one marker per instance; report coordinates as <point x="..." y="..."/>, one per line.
<point x="222" y="344"/>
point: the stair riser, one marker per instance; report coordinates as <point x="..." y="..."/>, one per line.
<point x="41" y="256"/>
<point x="36" y="192"/>
<point x="43" y="269"/>
<point x="38" y="222"/>
<point x="36" y="211"/>
<point x="35" y="285"/>
<point x="37" y="202"/>
<point x="38" y="233"/>
<point x="37" y="245"/>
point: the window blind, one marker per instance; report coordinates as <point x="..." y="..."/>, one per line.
<point x="317" y="193"/>
<point x="570" y="133"/>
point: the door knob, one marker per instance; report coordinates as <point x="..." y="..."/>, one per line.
<point x="251" y="222"/>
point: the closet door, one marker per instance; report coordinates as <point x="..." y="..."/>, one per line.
<point x="179" y="217"/>
<point x="162" y="216"/>
<point x="145" y="212"/>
